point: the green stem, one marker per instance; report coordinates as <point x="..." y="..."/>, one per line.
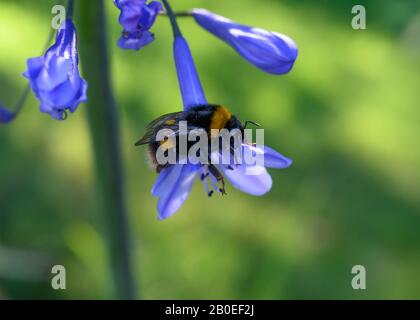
<point x="171" y="15"/>
<point x="70" y="9"/>
<point x="105" y="132"/>
<point x="25" y="93"/>
<point x="179" y="14"/>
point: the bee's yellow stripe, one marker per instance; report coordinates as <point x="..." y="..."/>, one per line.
<point x="170" y="122"/>
<point x="167" y="144"/>
<point x="220" y="117"/>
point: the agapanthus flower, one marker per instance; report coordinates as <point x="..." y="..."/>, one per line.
<point x="136" y="18"/>
<point x="54" y="77"/>
<point x="175" y="181"/>
<point x="5" y="115"/>
<point x="271" y="52"/>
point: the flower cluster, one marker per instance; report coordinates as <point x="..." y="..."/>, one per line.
<point x="271" y="52"/>
<point x="55" y="80"/>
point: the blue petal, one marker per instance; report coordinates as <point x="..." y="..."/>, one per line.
<point x="175" y="189"/>
<point x="272" y="159"/>
<point x="34" y="67"/>
<point x="54" y="113"/>
<point x="240" y="178"/>
<point x="81" y="96"/>
<point x="162" y="179"/>
<point x="189" y="82"/>
<point x="62" y="96"/>
<point x="130" y="13"/>
<point x="55" y="74"/>
<point x="5" y="115"/>
<point x="149" y="14"/>
<point x="135" y="40"/>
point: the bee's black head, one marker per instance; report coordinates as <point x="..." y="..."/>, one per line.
<point x="234" y="123"/>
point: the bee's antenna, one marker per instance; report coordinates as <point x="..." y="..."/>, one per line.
<point x="251" y="122"/>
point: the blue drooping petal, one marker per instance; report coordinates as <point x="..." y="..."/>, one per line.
<point x="56" y="74"/>
<point x="189" y="82"/>
<point x="34" y="67"/>
<point x="272" y="159"/>
<point x="135" y="40"/>
<point x="5" y="115"/>
<point x="54" y="77"/>
<point x="242" y="180"/>
<point x="174" y="188"/>
<point x="173" y="171"/>
<point x="271" y="52"/>
<point x="136" y="18"/>
<point x="130" y="12"/>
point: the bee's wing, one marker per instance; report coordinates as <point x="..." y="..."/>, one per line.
<point x="167" y="121"/>
<point x="163" y="121"/>
<point x="147" y="138"/>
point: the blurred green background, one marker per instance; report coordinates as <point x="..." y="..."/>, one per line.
<point x="348" y="114"/>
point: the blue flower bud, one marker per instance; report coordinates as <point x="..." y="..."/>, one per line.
<point x="271" y="52"/>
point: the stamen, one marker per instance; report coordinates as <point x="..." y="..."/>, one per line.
<point x="222" y="189"/>
<point x="211" y="180"/>
<point x="203" y="177"/>
<point x="214" y="183"/>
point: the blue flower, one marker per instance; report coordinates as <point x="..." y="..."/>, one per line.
<point x="137" y="18"/>
<point x="54" y="77"/>
<point x="271" y="52"/>
<point x="175" y="182"/>
<point x="5" y="115"/>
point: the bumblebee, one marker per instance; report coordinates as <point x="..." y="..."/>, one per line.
<point x="204" y="117"/>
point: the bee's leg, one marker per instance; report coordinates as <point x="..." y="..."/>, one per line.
<point x="219" y="177"/>
<point x="204" y="178"/>
<point x="159" y="168"/>
<point x="205" y="173"/>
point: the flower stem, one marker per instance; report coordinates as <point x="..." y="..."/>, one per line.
<point x="22" y="100"/>
<point x="70" y="9"/>
<point x="105" y="133"/>
<point x="186" y="13"/>
<point x="179" y="14"/>
<point x="172" y="17"/>
<point x="27" y="89"/>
